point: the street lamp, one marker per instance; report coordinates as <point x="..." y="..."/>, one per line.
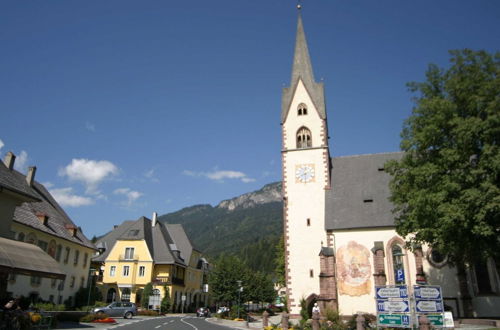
<point x="240" y="288"/>
<point x="91" y="276"/>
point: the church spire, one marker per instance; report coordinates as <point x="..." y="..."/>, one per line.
<point x="302" y="70"/>
<point x="302" y="67"/>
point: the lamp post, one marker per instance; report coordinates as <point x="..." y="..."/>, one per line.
<point x="240" y="288"/>
<point x="91" y="276"/>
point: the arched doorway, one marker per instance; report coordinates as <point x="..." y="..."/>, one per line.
<point x="310" y="301"/>
<point x="111" y="296"/>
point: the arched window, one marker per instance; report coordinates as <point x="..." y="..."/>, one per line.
<point x="302" y="109"/>
<point x="31" y="238"/>
<point x="52" y="249"/>
<point x="304" y="139"/>
<point x="398" y="264"/>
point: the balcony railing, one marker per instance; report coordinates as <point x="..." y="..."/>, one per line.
<point x="162" y="279"/>
<point x="124" y="257"/>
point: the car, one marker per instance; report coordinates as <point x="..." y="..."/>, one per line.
<point x="222" y="310"/>
<point x="203" y="312"/>
<point x="118" y="308"/>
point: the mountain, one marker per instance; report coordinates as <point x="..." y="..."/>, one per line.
<point x="248" y="226"/>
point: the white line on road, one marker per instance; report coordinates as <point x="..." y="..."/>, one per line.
<point x="182" y="320"/>
<point x="158" y="326"/>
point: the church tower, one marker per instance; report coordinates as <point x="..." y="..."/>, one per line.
<point x="306" y="176"/>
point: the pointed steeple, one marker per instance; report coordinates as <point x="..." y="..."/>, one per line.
<point x="302" y="70"/>
<point x="302" y="67"/>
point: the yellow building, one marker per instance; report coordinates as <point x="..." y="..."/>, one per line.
<point x="136" y="253"/>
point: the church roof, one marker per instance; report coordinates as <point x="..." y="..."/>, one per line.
<point x="302" y="70"/>
<point x="359" y="195"/>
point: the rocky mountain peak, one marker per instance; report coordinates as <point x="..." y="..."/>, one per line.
<point x="268" y="194"/>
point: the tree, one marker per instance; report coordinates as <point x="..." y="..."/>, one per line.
<point x="223" y="278"/>
<point x="148" y="291"/>
<point x="279" y="260"/>
<point x="446" y="186"/>
<point x="165" y="302"/>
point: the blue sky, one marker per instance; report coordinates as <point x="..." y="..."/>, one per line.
<point x="131" y="107"/>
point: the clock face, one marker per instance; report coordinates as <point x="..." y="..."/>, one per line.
<point x="304" y="173"/>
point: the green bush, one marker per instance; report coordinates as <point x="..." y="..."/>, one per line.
<point x="148" y="312"/>
<point x="49" y="307"/>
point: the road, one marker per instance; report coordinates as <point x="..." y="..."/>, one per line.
<point x="169" y="323"/>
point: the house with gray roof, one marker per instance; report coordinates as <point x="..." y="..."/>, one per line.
<point x="144" y="251"/>
<point x="63" y="252"/>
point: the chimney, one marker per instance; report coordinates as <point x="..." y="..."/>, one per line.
<point x="43" y="218"/>
<point x="9" y="160"/>
<point x="30" y="177"/>
<point x="153" y="221"/>
<point x="72" y="230"/>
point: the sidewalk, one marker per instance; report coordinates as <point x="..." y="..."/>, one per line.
<point x="256" y="324"/>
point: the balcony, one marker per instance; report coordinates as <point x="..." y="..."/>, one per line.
<point x="124" y="257"/>
<point x="177" y="281"/>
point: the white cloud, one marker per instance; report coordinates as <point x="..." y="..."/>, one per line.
<point x="48" y="184"/>
<point x="21" y="162"/>
<point x="131" y="195"/>
<point x="151" y="175"/>
<point x="90" y="172"/>
<point x="220" y="175"/>
<point x="1" y="144"/>
<point x="89" y="126"/>
<point x="65" y="197"/>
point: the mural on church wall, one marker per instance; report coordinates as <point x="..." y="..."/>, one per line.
<point x="354" y="269"/>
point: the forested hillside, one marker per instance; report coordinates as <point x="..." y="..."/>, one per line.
<point x="250" y="228"/>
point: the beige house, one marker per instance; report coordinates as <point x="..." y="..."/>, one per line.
<point x="144" y="251"/>
<point x="340" y="236"/>
<point x="40" y="221"/>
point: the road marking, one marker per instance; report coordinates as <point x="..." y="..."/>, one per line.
<point x="158" y="326"/>
<point x="195" y="328"/>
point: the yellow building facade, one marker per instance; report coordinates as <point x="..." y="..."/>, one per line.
<point x="144" y="251"/>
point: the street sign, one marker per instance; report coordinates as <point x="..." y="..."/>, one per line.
<point x="428" y="292"/>
<point x="429" y="306"/>
<point x="436" y="320"/>
<point x="401" y="306"/>
<point x="384" y="292"/>
<point x="394" y="320"/>
<point x="400" y="276"/>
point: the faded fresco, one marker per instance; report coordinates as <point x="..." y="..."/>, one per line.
<point x="354" y="269"/>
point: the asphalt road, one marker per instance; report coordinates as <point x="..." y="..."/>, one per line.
<point x="169" y="323"/>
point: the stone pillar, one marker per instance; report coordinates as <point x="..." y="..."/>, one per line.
<point x="423" y="323"/>
<point x="284" y="321"/>
<point x="327" y="279"/>
<point x="315" y="321"/>
<point x="265" y="319"/>
<point x="360" y="322"/>
<point x="378" y="263"/>
<point x="419" y="256"/>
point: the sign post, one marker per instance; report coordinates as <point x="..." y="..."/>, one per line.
<point x="393" y="306"/>
<point x="429" y="301"/>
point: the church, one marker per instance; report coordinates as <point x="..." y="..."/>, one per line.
<point x="340" y="237"/>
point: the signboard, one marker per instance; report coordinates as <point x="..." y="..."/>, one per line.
<point x="448" y="320"/>
<point x="429" y="306"/>
<point x="400" y="276"/>
<point x="436" y="320"/>
<point x="398" y="291"/>
<point x="401" y="306"/>
<point x="428" y="292"/>
<point x="394" y="320"/>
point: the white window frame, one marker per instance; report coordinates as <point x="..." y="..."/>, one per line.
<point x="126" y="270"/>
<point x="142" y="271"/>
<point x="129" y="253"/>
<point x="112" y="271"/>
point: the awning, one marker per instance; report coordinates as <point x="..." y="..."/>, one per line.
<point x="27" y="259"/>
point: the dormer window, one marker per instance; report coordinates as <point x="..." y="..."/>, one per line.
<point x="304" y="139"/>
<point x="302" y="109"/>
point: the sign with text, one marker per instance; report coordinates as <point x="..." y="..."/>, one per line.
<point x="428" y="292"/>
<point x="390" y="306"/>
<point x="436" y="320"/>
<point x="394" y="320"/>
<point x="386" y="292"/>
<point x="429" y="306"/>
